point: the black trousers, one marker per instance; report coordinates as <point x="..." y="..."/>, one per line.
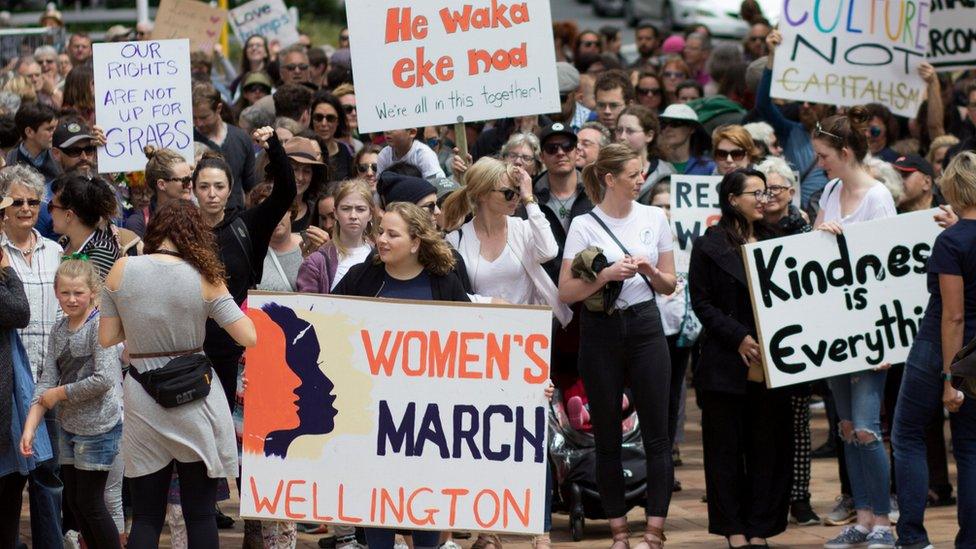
<point x="679" y="364"/>
<point x="198" y="496"/>
<point x="628" y="349"/>
<point x="748" y="449"/>
<point x="11" y="500"/>
<point x="84" y="494"/>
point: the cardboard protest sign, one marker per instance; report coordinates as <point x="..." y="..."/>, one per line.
<point x="829" y="305"/>
<point x="268" y="18"/>
<point x="952" y="35"/>
<point x="396" y="413"/>
<point x="844" y="52"/>
<point x="142" y="97"/>
<point x="197" y="21"/>
<point x="694" y="208"/>
<point x="432" y="63"/>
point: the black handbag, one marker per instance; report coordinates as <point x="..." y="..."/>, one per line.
<point x="963" y="370"/>
<point x="184" y="379"/>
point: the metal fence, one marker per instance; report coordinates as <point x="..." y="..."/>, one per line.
<point x="22" y="42"/>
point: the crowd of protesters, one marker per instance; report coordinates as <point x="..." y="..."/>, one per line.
<point x="287" y="195"/>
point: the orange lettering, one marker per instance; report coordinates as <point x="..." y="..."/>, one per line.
<point x="342" y="516"/>
<point x="453" y="493"/>
<point x="422" y="359"/>
<point x="290" y="498"/>
<point x="477" y="511"/>
<point x="430" y="512"/>
<point x="381" y="360"/>
<point x="315" y="505"/>
<point x="498" y="354"/>
<point x="523" y="516"/>
<point x="530" y="343"/>
<point x="396" y="507"/>
<point x="442" y="359"/>
<point x="401" y="26"/>
<point x="262" y="502"/>
<point x="467" y="357"/>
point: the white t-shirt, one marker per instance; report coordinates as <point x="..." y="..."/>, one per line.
<point x="346" y="261"/>
<point x="420" y="155"/>
<point x="645" y="232"/>
<point x="504" y="278"/>
<point x="876" y="204"/>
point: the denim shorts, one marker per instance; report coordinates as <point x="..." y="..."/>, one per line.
<point x="89" y="452"/>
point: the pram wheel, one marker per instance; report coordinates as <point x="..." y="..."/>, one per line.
<point x="577" y="520"/>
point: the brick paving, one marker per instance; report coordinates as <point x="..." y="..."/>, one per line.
<point x="688" y="523"/>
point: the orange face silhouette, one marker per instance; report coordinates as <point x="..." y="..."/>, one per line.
<point x="271" y="384"/>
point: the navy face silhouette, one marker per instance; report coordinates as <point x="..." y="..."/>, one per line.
<point x="316" y="403"/>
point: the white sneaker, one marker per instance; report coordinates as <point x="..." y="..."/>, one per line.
<point x="71" y="540"/>
<point x="450" y="544"/>
<point x="894" y="515"/>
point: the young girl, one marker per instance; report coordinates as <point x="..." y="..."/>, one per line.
<point x="82" y="376"/>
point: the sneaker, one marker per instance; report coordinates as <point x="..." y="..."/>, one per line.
<point x="894" y="514"/>
<point x="849" y="537"/>
<point x="918" y="545"/>
<point x="578" y="416"/>
<point x="223" y="521"/>
<point x="881" y="538"/>
<point x="826" y="450"/>
<point x="72" y="540"/>
<point x="449" y="544"/>
<point x="842" y="513"/>
<point x="801" y="513"/>
<point x="676" y="457"/>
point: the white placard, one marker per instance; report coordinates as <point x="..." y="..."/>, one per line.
<point x="424" y="63"/>
<point x="142" y="97"/>
<point x="842" y="52"/>
<point x="418" y="415"/>
<point x="268" y="18"/>
<point x="952" y="38"/>
<point x="694" y="208"/>
<point x="829" y="305"/>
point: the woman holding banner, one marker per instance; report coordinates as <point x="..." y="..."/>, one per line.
<point x="853" y="196"/>
<point x="627" y="344"/>
<point x="746" y="428"/>
<point x="948" y="324"/>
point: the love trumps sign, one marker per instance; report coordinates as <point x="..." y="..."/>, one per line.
<point x="827" y="306"/>
<point x="399" y="414"/>
<point x="852" y="52"/>
<point x="425" y="62"/>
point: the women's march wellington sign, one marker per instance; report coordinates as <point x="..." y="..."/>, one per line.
<point x="829" y="305"/>
<point x="431" y="62"/>
<point x="852" y="52"/>
<point x="397" y="414"/>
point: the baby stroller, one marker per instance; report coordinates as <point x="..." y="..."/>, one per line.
<point x="572" y="454"/>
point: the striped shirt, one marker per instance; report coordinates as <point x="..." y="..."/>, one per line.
<point x="102" y="249"/>
<point x="38" y="280"/>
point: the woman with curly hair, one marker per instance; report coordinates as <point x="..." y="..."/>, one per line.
<point x="412" y="262"/>
<point x="159" y="322"/>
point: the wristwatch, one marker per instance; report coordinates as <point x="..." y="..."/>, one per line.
<point x="530" y="200"/>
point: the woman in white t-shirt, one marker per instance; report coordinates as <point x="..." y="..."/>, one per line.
<point x="853" y="196"/>
<point x="351" y="243"/>
<point x="627" y="346"/>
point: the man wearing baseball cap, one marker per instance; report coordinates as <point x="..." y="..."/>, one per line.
<point x="918" y="178"/>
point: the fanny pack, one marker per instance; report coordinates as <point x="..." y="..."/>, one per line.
<point x="182" y="380"/>
<point x="963" y="370"/>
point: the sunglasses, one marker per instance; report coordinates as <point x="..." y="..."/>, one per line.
<point x="667" y="123"/>
<point x="19" y="202"/>
<point x="432" y="207"/>
<point x="51" y="206"/>
<point x="349" y="109"/>
<point x="588" y="44"/>
<point x="330" y="118"/>
<point x="185" y="181"/>
<point x="46" y="61"/>
<point x="673" y="74"/>
<point x="363" y="168"/>
<point x="343" y="37"/>
<point x="75" y="152"/>
<point x="256" y="87"/>
<point x="554" y="148"/>
<point x="649" y="91"/>
<point x="508" y="194"/>
<point x="735" y="154"/>
<point x="874" y="131"/>
<point x="296" y="67"/>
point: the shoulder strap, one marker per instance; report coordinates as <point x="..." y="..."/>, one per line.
<point x="239" y="229"/>
<point x="621" y="246"/>
<point x="279" y="268"/>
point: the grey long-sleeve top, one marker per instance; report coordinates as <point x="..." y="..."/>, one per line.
<point x="90" y="375"/>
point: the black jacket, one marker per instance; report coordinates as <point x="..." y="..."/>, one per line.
<point x="366" y="280"/>
<point x="581" y="206"/>
<point x="720" y="297"/>
<point x="244" y="270"/>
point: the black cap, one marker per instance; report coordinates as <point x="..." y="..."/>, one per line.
<point x="393" y="187"/>
<point x="70" y="132"/>
<point x="557" y="128"/>
<point x="913" y="163"/>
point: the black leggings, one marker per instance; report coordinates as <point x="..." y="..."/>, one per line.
<point x="628" y="348"/>
<point x="679" y="363"/>
<point x="198" y="495"/>
<point x="11" y="500"/>
<point x="84" y="494"/>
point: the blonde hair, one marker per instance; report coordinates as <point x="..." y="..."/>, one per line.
<point x="160" y="164"/>
<point x="959" y="181"/>
<point x="738" y="135"/>
<point x="479" y="182"/>
<point x="947" y="140"/>
<point x="434" y="253"/>
<point x="360" y="189"/>
<point x="21" y="87"/>
<point x="83" y="269"/>
<point x="611" y="160"/>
